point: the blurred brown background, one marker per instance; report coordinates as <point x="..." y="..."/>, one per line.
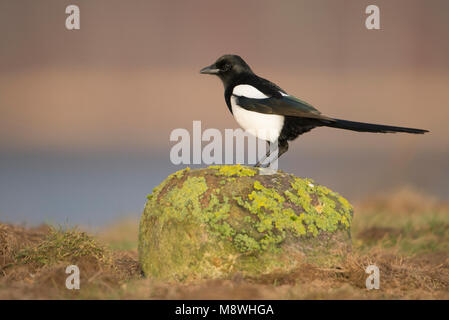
<point x="85" y="115"/>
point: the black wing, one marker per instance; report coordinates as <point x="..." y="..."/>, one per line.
<point x="284" y="105"/>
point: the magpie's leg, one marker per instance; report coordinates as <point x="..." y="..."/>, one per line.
<point x="282" y="148"/>
<point x="259" y="163"/>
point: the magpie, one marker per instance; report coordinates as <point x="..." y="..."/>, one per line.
<point x="263" y="109"/>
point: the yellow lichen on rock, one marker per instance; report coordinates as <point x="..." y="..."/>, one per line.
<point x="212" y="222"/>
<point x="234" y="170"/>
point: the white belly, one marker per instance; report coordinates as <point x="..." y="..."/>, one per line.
<point x="263" y="126"/>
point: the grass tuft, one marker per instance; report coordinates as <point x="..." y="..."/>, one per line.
<point x="60" y="245"/>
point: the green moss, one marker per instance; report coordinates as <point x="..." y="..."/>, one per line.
<point x="178" y="175"/>
<point x="329" y="211"/>
<point x="234" y="170"/>
<point x="181" y="173"/>
<point x="271" y="217"/>
<point x="275" y="216"/>
<point x="244" y="243"/>
<point x="64" y="246"/>
<point x="223" y="218"/>
<point x="180" y="203"/>
<point x="185" y="204"/>
<point x="215" y="216"/>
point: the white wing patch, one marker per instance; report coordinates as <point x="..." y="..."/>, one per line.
<point x="245" y="90"/>
<point x="264" y="126"/>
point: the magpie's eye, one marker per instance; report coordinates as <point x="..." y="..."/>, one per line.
<point x="226" y="67"/>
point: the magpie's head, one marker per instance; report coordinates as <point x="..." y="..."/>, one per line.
<point x="227" y="68"/>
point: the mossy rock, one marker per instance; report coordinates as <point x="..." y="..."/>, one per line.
<point x="214" y="222"/>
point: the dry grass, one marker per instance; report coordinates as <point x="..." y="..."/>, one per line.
<point x="406" y="234"/>
<point x="36" y="269"/>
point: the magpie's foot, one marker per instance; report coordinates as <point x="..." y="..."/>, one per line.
<point x="261" y="165"/>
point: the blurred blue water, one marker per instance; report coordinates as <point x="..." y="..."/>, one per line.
<point x="75" y="189"/>
<point x="92" y="190"/>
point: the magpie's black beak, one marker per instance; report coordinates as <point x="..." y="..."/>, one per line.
<point x="212" y="69"/>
